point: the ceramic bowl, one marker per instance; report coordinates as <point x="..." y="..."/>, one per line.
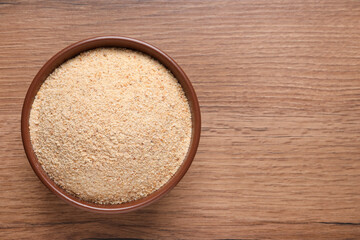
<point x="70" y="52"/>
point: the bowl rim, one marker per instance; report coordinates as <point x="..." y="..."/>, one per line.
<point x="70" y="52"/>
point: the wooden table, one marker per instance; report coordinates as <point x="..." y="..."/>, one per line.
<point x="279" y="88"/>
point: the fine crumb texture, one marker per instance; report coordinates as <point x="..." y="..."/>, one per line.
<point x="111" y="125"/>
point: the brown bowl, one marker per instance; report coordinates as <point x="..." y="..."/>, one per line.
<point x="70" y="52"/>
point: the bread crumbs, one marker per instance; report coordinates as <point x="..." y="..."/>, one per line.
<point x="110" y="125"/>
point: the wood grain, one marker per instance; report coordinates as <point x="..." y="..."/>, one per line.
<point x="279" y="88"/>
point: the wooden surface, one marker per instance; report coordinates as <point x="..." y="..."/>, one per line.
<point x="279" y="88"/>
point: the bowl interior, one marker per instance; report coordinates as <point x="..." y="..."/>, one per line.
<point x="71" y="52"/>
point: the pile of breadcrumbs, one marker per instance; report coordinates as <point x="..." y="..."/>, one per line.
<point x="111" y="125"/>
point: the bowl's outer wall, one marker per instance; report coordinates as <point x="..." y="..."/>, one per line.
<point x="72" y="51"/>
